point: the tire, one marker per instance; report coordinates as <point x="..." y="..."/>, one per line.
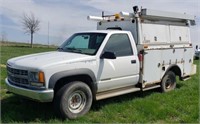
<point x="73" y="100"/>
<point x="168" y="82"/>
<point x="196" y="58"/>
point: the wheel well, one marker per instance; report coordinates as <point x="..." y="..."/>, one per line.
<point x="176" y="70"/>
<point x="84" y="78"/>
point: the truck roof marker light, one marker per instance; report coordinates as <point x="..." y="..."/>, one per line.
<point x="145" y="46"/>
<point x="117" y="16"/>
<point x="41" y="77"/>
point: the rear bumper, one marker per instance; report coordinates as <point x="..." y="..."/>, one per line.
<point x="39" y="95"/>
<point x="194" y="69"/>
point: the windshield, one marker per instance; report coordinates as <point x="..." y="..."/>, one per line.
<point x="84" y="43"/>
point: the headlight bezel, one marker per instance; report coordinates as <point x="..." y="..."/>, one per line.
<point x="36" y="78"/>
<point x="33" y="77"/>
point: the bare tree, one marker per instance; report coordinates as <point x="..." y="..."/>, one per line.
<point x="31" y="25"/>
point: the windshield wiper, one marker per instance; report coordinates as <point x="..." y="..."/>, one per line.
<point x="60" y="49"/>
<point x="74" y="50"/>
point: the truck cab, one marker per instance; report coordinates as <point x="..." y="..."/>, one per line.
<point x="100" y="61"/>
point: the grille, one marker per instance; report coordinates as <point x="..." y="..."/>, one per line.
<point x="18" y="77"/>
<point x="17" y="71"/>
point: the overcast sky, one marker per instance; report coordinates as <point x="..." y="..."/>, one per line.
<point x="66" y="17"/>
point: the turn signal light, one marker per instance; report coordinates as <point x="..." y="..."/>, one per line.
<point x="41" y="77"/>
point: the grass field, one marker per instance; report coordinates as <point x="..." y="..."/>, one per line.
<point x="178" y="106"/>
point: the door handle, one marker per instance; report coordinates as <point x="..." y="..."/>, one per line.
<point x="133" y="61"/>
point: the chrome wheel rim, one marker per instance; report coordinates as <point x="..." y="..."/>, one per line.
<point x="77" y="101"/>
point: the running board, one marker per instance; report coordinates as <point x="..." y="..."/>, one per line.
<point x="186" y="78"/>
<point x="152" y="87"/>
<point x="116" y="92"/>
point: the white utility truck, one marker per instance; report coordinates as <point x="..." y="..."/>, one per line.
<point x="128" y="52"/>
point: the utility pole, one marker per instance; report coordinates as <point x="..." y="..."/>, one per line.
<point x="48" y="34"/>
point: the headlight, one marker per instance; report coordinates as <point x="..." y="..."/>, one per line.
<point x="37" y="78"/>
<point x="33" y="76"/>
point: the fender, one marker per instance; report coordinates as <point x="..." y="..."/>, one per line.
<point x="83" y="71"/>
<point x="176" y="69"/>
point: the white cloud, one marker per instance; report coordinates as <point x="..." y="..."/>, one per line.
<point x="61" y="17"/>
<point x="66" y="17"/>
<point x="189" y="7"/>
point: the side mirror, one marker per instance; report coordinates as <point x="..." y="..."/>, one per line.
<point x="108" y="55"/>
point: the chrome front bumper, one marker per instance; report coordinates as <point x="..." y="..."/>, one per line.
<point x="39" y="95"/>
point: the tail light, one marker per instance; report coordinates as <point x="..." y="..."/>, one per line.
<point x="140" y="56"/>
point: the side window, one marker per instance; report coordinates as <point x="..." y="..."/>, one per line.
<point x="119" y="44"/>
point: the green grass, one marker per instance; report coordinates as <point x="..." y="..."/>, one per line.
<point x="178" y="106"/>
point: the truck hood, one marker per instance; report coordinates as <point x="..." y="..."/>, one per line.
<point x="42" y="60"/>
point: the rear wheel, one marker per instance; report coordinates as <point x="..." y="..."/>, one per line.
<point x="73" y="100"/>
<point x="168" y="82"/>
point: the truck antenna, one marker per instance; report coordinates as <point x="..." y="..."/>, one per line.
<point x="135" y="9"/>
<point x="102" y="13"/>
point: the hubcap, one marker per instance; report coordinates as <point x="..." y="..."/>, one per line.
<point x="168" y="84"/>
<point x="77" y="101"/>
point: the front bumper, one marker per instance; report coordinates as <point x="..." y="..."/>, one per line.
<point x="39" y="95"/>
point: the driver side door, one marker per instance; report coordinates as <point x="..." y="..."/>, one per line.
<point x="122" y="71"/>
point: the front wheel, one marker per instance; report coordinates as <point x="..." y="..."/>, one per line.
<point x="73" y="100"/>
<point x="168" y="82"/>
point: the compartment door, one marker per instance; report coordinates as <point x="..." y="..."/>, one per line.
<point x="152" y="66"/>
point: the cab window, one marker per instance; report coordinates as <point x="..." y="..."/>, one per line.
<point x="119" y="44"/>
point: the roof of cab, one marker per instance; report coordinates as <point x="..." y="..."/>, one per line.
<point x="104" y="31"/>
